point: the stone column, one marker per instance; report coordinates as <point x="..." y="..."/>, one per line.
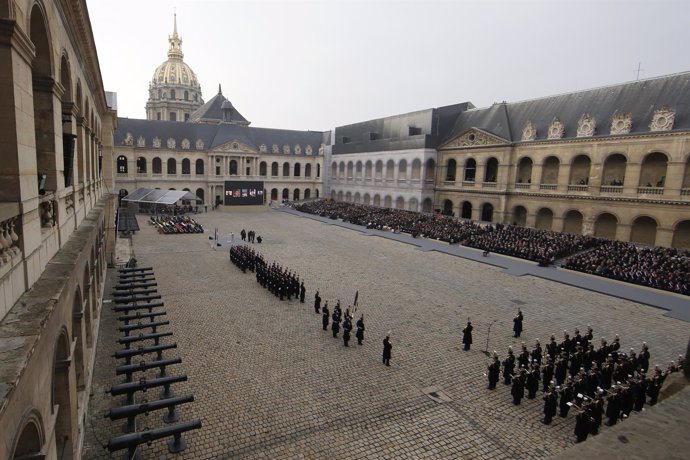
<point x="664" y="237"/>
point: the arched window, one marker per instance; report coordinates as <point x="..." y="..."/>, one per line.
<point x="186" y="166"/>
<point x="172" y="94"/>
<point x="466" y="212"/>
<point x="200" y="194"/>
<point x="295" y="194"/>
<point x="448" y="207"/>
<point x="233" y="167"/>
<point x="549" y="172"/>
<point x="157" y="166"/>
<point x="274" y="169"/>
<point x="172" y="166"/>
<point x="286" y="169"/>
<point x="200" y="166"/>
<point x="491" y="173"/>
<point x="318" y="174"/>
<point x="297" y="171"/>
<point x="141" y="165"/>
<point x="470" y="170"/>
<point x="524" y="171"/>
<point x="614" y="170"/>
<point x="579" y="170"/>
<point x="307" y="194"/>
<point x="520" y="215"/>
<point x="262" y="169"/>
<point x="605" y="226"/>
<point x="186" y="95"/>
<point x="653" y="170"/>
<point x="121" y="164"/>
<point x="274" y="194"/>
<point x="487" y="212"/>
<point x="307" y="170"/>
<point x="390" y="171"/>
<point x="643" y="230"/>
<point x="572" y="222"/>
<point x="286" y="194"/>
<point x="451" y="167"/>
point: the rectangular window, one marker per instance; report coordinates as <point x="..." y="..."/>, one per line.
<point x="346" y="140"/>
<point x="186" y="117"/>
<point x="173" y="116"/>
<point x="373" y="136"/>
<point x="414" y="131"/>
<point x="248" y="171"/>
<point x="158" y="116"/>
<point x="217" y="170"/>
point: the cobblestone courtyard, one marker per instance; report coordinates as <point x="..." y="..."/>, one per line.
<point x="270" y="383"/>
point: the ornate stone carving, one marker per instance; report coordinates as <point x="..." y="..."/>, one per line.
<point x="263" y="148"/>
<point x="586" y="126"/>
<point x="529" y="132"/>
<point x="662" y="120"/>
<point x="129" y="139"/>
<point x="185" y="144"/>
<point x="286" y="149"/>
<point x="308" y="150"/>
<point x="621" y="123"/>
<point x="9" y="240"/>
<point x="275" y="148"/>
<point x="474" y="138"/>
<point x="48" y="214"/>
<point x="141" y="142"/>
<point x="156" y="142"/>
<point x="556" y="129"/>
<point x="171" y="143"/>
<point x="69" y="203"/>
<point x="199" y="144"/>
<point x="322" y="149"/>
<point x="298" y="150"/>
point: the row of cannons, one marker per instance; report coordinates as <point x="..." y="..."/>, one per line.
<point x="136" y="298"/>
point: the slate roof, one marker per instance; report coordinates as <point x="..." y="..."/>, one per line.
<point x="640" y="98"/>
<point x="214" y="135"/>
<point x="212" y="111"/>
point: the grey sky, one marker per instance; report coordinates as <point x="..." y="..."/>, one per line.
<point x="320" y="64"/>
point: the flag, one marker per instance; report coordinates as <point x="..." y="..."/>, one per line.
<point x="356" y="297"/>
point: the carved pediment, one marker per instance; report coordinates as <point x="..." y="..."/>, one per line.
<point x="473" y="138"/>
<point x="234" y="146"/>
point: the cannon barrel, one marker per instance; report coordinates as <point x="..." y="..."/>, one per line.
<point x="145" y="365"/>
<point x="152" y="324"/>
<point x="143" y="350"/>
<point x="132" y="292"/>
<point x="138" y="315"/>
<point x="137" y="306"/>
<point x="132" y="440"/>
<point x="134" y="409"/>
<point x="135" y="269"/>
<point x="135" y="298"/>
<point x="135" y="338"/>
<point x="133" y="285"/>
<point x="143" y="384"/>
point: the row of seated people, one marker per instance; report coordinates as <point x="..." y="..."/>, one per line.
<point x="176" y="224"/>
<point x="657" y="267"/>
<point x="660" y="268"/>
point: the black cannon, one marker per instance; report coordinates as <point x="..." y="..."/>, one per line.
<point x="129" y="369"/>
<point x="138" y="315"/>
<point x="137" y="306"/>
<point x="132" y="441"/>
<point x="135" y="269"/>
<point x="132" y="327"/>
<point x="128" y="353"/>
<point x="133" y="285"/>
<point x="129" y="388"/>
<point x="133" y="298"/>
<point x="132" y="292"/>
<point x="155" y="336"/>
<point x="130" y="412"/>
<point x="135" y="277"/>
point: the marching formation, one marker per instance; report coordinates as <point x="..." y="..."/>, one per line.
<point x="176" y="224"/>
<point x="279" y="280"/>
<point x="595" y="382"/>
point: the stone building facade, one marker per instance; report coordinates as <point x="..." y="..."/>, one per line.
<point x="55" y="218"/>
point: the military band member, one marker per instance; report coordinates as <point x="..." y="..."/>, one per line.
<point x="317" y="302"/>
<point x="550" y="404"/>
<point x="325" y="315"/>
<point x="552" y="348"/>
<point x="508" y="366"/>
<point x="566" y="393"/>
<point x="517" y="324"/>
<point x="518" y="388"/>
<point x="302" y="292"/>
<point x="335" y="322"/>
<point x="494" y="371"/>
<point x="360" y="329"/>
<point x="547" y="374"/>
<point x="537" y="352"/>
<point x="347" y="327"/>
<point x="532" y="382"/>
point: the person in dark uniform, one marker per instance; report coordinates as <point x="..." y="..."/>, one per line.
<point x="597" y="407"/>
<point x="335" y="322"/>
<point x="537" y="352"/>
<point x="547" y="374"/>
<point x="387" y="348"/>
<point x="302" y="292"/>
<point x="523" y="357"/>
<point x="518" y="388"/>
<point x="360" y="329"/>
<point x="347" y="327"/>
<point x="517" y="324"/>
<point x="317" y="302"/>
<point x="324" y="316"/>
<point x="613" y="407"/>
<point x="550" y="404"/>
<point x="243" y="234"/>
<point x="582" y="424"/>
<point x="494" y="372"/>
<point x="532" y="382"/>
<point x="566" y="397"/>
<point x="467" y="335"/>
<point x="508" y="366"/>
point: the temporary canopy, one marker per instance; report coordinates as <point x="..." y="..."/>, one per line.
<point x="156" y="196"/>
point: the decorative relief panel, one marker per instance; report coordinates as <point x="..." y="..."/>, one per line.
<point x="156" y="142"/>
<point x="263" y="148"/>
<point x="199" y="144"/>
<point x="529" y="132"/>
<point x="474" y="138"/>
<point x="662" y="120"/>
<point x="286" y="149"/>
<point x="308" y="150"/>
<point x="129" y="139"/>
<point x="185" y="144"/>
<point x="141" y="142"/>
<point x="557" y="129"/>
<point x="298" y="150"/>
<point x="586" y="126"/>
<point x="621" y="123"/>
<point x="171" y="143"/>
<point x="275" y="148"/>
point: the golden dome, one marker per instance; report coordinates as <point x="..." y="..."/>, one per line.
<point x="175" y="71"/>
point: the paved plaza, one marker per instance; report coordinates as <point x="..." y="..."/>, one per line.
<point x="270" y="383"/>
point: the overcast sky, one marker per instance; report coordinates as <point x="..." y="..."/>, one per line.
<point x="320" y="64"/>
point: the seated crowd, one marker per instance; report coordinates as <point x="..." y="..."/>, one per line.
<point x="176" y="224"/>
<point x="661" y="268"/>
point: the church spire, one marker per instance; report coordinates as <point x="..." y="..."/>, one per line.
<point x="175" y="50"/>
<point x="219" y="91"/>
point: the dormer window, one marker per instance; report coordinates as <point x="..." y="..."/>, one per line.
<point x="346" y="140"/>
<point x="414" y="131"/>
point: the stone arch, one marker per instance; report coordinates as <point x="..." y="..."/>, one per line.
<point x="523" y="174"/>
<point x="387" y="201"/>
<point x="606" y="225"/>
<point x="549" y="172"/>
<point x="367" y="169"/>
<point x="358" y="170"/>
<point x="307" y="170"/>
<point x="141" y="165"/>
<point x="487" y="214"/>
<point x="377" y="200"/>
<point x="61" y="394"/>
<point x="416" y="169"/>
<point x="262" y="168"/>
<point x="172" y="166"/>
<point x="466" y="210"/>
<point x="643" y="230"/>
<point x="286" y="194"/>
<point x="491" y="170"/>
<point x="334" y="170"/>
<point x="350" y="170"/>
<point x="340" y="195"/>
<point x="520" y="215"/>
<point x="451" y="170"/>
<point x="297" y="170"/>
<point x="316" y="192"/>
<point x="341" y="170"/>
<point x="286" y="169"/>
<point x="366" y="199"/>
<point x="448" y="207"/>
<point x="122" y="164"/>
<point x="572" y="222"/>
<point x="390" y="170"/>
<point x="274" y="194"/>
<point x="200" y="194"/>
<point x="470" y="170"/>
<point x="413" y="205"/>
<point x="318" y="169"/>
<point x="378" y="169"/>
<point x="307" y="193"/>
<point x="400" y="203"/>
<point x="430" y="170"/>
<point x="358" y="198"/>
<point x="157" y="166"/>
<point x="186" y="166"/>
<point x="402" y="169"/>
<point x="274" y="169"/>
<point x="295" y="195"/>
<point x="348" y="196"/>
<point x="544" y="219"/>
<point x="232" y="168"/>
<point x="681" y="235"/>
<point x="30" y="438"/>
<point x="579" y="170"/>
<point x="653" y="170"/>
<point x="427" y="205"/>
<point x="614" y="169"/>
